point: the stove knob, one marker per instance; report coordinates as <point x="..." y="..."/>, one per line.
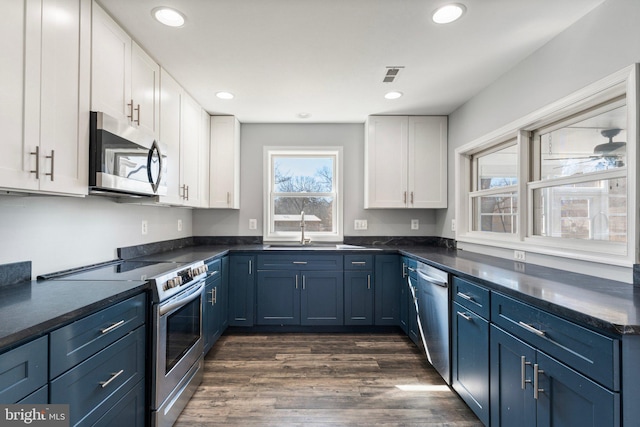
<point x="205" y="267"/>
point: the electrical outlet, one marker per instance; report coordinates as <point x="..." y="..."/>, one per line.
<point x="519" y="255"/>
<point x="360" y="224"/>
<point x="415" y="224"/>
<point x="144" y="226"/>
<point x="453" y="225"/>
<point x="179" y="225"/>
<point x="253" y="224"/>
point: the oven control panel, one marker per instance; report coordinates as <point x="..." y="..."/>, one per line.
<point x="173" y="282"/>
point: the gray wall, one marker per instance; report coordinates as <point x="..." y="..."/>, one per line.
<point x="381" y="222"/>
<point x="57" y="233"/>
<point x="603" y="42"/>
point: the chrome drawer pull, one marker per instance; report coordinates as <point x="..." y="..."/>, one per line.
<point x="300" y="262"/>
<point x="465" y="316"/>
<point x="531" y="329"/>
<point x="358" y="262"/>
<point x="523" y="372"/>
<point x="37" y="154"/>
<point x="112" y="327"/>
<point x="368" y="281"/>
<point x="465" y="296"/>
<point x="103" y="384"/>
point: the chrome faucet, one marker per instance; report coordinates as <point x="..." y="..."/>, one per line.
<point x="303" y="240"/>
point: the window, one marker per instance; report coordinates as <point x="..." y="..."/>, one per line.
<point x="557" y="181"/>
<point x="303" y="180"/>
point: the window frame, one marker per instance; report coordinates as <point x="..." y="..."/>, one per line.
<point x="269" y="233"/>
<point x="608" y="91"/>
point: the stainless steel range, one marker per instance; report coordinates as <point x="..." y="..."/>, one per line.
<point x="177" y="290"/>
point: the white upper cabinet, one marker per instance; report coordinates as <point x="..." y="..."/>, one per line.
<point x="185" y="139"/>
<point x="170" y="104"/>
<point x="406" y="162"/>
<point x="125" y="81"/>
<point x="45" y="96"/>
<point x="224" y="183"/>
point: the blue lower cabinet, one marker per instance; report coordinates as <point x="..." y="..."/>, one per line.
<point x="322" y="298"/>
<point x="128" y="411"/>
<point x="224" y="294"/>
<point x="23" y="370"/>
<point x="97" y="384"/>
<point x="470" y="359"/>
<point x="278" y="297"/>
<point x="241" y="289"/>
<point x="358" y="298"/>
<point x="530" y="388"/>
<point x="387" y="289"/>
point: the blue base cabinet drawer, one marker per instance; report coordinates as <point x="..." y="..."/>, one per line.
<point x="128" y="412"/>
<point x="98" y="383"/>
<point x="79" y="340"/>
<point x="300" y="262"/>
<point x="358" y="262"/>
<point x="471" y="296"/>
<point x="23" y="370"/>
<point x="586" y="351"/>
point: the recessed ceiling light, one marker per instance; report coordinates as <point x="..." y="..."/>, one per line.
<point x="168" y="16"/>
<point x="448" y="13"/>
<point x="304" y="115"/>
<point x="393" y="95"/>
<point x="225" y="95"/>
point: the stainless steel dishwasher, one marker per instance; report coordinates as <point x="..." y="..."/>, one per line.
<point x="432" y="305"/>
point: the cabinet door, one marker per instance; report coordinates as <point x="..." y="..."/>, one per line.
<point x="16" y="161"/>
<point x="170" y="101"/>
<point x="190" y="151"/>
<point x="386" y="162"/>
<point x="322" y="298"/>
<point x="64" y="96"/>
<point x="241" y="290"/>
<point x="224" y="295"/>
<point x="427" y="162"/>
<point x="278" y="297"/>
<point x="512" y="402"/>
<point x="567" y="398"/>
<point x="110" y="67"/>
<point x="387" y="289"/>
<point x="224" y="191"/>
<point x="145" y="90"/>
<point x="358" y="298"/>
<point x="470" y="359"/>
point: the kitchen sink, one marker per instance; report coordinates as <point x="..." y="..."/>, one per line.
<point x="314" y="246"/>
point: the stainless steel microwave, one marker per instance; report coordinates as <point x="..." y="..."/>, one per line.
<point x="124" y="160"/>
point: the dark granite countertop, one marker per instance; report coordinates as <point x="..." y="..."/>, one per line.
<point x="31" y="309"/>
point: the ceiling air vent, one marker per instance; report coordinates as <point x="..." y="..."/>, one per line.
<point x="392" y="74"/>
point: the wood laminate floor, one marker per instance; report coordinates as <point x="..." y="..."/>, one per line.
<point x="322" y="380"/>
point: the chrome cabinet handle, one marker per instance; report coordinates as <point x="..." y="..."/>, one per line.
<point x="112" y="327"/>
<point x="523" y="372"/>
<point x="130" y="105"/>
<point x="300" y="262"/>
<point x="296" y="281"/>
<point x="411" y="269"/>
<point x="465" y="296"/>
<point x="412" y="197"/>
<point x="404" y="270"/>
<point x="368" y="281"/>
<point x="358" y="262"/>
<point x="214" y="296"/>
<point x="187" y="192"/>
<point x="138" y="110"/>
<point x="531" y="329"/>
<point x="404" y="198"/>
<point x="103" y="384"/>
<point x="304" y="282"/>
<point x="228" y="198"/>
<point x="536" y="381"/>
<point x="250" y="267"/>
<point x="37" y="154"/>
<point x="52" y="163"/>
<point x="465" y="316"/>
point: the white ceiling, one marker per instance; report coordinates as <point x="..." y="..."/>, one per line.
<point x="328" y="57"/>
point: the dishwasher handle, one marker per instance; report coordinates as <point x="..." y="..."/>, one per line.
<point x="433" y="280"/>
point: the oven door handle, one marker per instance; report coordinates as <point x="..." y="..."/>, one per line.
<point x="182" y="301"/>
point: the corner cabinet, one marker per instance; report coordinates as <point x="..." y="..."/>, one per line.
<point x="406" y="162"/>
<point x="44" y="114"/>
<point x="224" y="185"/>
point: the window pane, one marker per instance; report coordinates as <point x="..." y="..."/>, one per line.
<point x="496" y="213"/>
<point x="594" y="144"/>
<point x="303" y="174"/>
<point x="593" y="210"/>
<point x="498" y="169"/>
<point x="318" y="214"/>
